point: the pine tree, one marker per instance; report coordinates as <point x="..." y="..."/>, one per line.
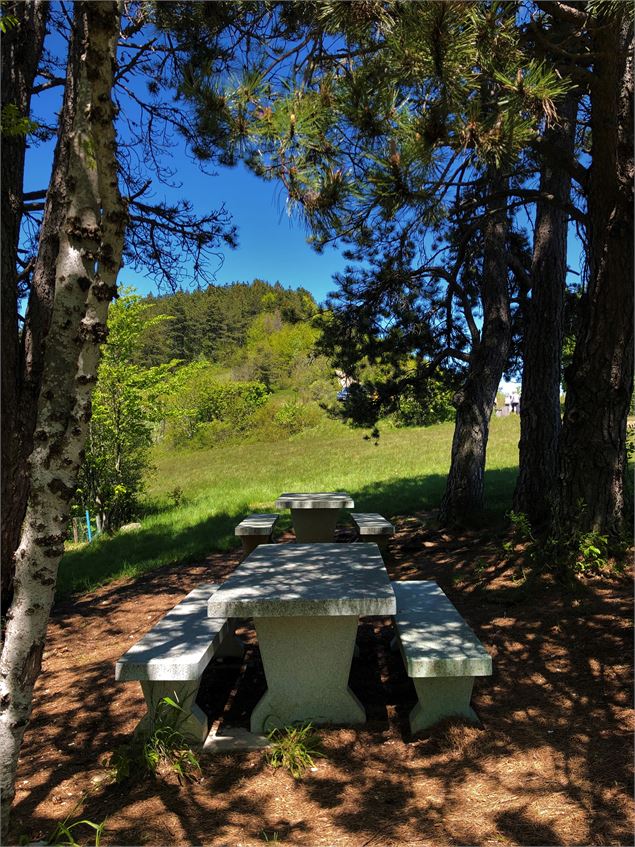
<point x="390" y="123"/>
<point x="600" y="378"/>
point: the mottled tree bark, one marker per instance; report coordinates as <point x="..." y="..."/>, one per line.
<point x="544" y="327"/>
<point x="463" y="495"/>
<point x="21" y="53"/>
<point x="87" y="263"/>
<point x="600" y="378"/>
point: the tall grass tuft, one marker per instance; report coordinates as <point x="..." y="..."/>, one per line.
<point x="293" y="749"/>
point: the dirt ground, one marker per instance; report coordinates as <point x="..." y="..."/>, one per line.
<point x="551" y="763"/>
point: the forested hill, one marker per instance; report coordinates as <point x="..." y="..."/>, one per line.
<point x="213" y="323"/>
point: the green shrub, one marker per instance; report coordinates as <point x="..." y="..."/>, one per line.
<point x="233" y="403"/>
<point x="293" y="417"/>
<point x="435" y="406"/>
<point x="202" y="409"/>
<point x="575" y="551"/>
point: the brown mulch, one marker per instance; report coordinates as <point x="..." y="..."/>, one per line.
<point x="550" y="765"/>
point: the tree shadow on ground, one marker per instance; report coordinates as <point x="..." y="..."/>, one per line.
<point x="409" y="495"/>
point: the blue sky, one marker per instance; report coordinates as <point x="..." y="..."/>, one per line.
<point x="271" y="246"/>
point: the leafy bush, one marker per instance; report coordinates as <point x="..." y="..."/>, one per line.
<point x="435" y="406"/>
<point x="201" y="408"/>
<point x="294" y="417"/>
<point x="125" y="408"/>
<point x="233" y="403"/>
<point x="275" y="350"/>
<point x="577" y="551"/>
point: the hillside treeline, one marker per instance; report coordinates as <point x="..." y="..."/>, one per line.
<point x="213" y="323"/>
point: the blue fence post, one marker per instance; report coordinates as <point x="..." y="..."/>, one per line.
<point x="88" y="529"/>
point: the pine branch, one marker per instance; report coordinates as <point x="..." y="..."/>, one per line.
<point x="563" y="11"/>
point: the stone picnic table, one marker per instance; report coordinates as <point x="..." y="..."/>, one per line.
<point x="315" y="515"/>
<point x="305" y="600"/>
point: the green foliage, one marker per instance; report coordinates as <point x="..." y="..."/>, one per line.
<point x="433" y="405"/>
<point x="275" y="349"/>
<point x="397" y="394"/>
<point x="201" y="409"/>
<point x="360" y="137"/>
<point x="63" y="835"/>
<point x="12" y="123"/>
<point x="592" y="551"/>
<point x="126" y="405"/>
<point x="176" y="496"/>
<point x="164" y="745"/>
<point x="293" y="748"/>
<point x="213" y="323"/>
<point x="8" y="22"/>
<point x="521" y="526"/>
<point x="629" y="480"/>
<point x="283" y="417"/>
<point x="576" y="551"/>
<point x="293" y="417"/>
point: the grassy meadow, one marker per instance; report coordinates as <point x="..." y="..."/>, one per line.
<point x="404" y="473"/>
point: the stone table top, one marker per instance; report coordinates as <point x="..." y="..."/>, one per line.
<point x="318" y="500"/>
<point x="300" y="580"/>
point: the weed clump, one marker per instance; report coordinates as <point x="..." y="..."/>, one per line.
<point x="163" y="746"/>
<point x="293" y="748"/>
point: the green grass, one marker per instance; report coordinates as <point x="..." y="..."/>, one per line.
<point x="405" y="473"/>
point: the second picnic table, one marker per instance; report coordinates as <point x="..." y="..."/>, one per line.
<point x="315" y="515"/>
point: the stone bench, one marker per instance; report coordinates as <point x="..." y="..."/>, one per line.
<point x="255" y="530"/>
<point x="440" y="652"/>
<point x="170" y="659"/>
<point x="373" y="527"/>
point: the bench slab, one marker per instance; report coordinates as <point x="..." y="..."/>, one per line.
<point x="262" y="524"/>
<point x="372" y="523"/>
<point x="179" y="646"/>
<point x="435" y="640"/>
<point x="255" y="530"/>
<point x="441" y="653"/>
<point x="170" y="659"/>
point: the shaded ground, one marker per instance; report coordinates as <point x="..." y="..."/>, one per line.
<point x="550" y="765"/>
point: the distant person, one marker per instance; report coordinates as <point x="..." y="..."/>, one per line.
<point x="515" y="401"/>
<point x="508" y="405"/>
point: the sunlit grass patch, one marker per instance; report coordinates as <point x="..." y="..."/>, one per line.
<point x="404" y="473"/>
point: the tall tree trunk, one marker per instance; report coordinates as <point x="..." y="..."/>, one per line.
<point x="542" y="359"/>
<point x="21" y="53"/>
<point x="475" y="401"/>
<point x="88" y="260"/>
<point x="600" y="378"/>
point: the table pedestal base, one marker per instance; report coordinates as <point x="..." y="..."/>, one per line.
<point x="307" y="662"/>
<point x="313" y="526"/>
